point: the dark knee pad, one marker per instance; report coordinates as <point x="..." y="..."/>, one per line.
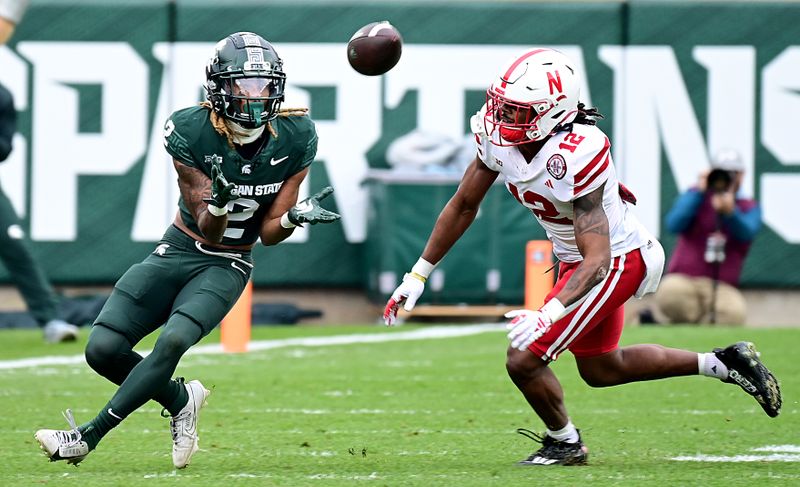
<point x="105" y="349"/>
<point x="180" y="333"/>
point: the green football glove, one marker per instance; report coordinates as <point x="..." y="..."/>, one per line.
<point x="222" y="192"/>
<point x="309" y="211"/>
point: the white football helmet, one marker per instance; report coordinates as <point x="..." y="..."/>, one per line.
<point x="534" y="93"/>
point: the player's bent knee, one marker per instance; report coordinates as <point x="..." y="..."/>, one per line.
<point x="98" y="356"/>
<point x="522" y="364"/>
<point x="178" y="336"/>
<point x="172" y="343"/>
<point x="104" y="347"/>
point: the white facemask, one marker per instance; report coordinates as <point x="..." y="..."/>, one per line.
<point x="242" y="135"/>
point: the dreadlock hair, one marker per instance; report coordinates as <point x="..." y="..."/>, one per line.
<point x="218" y="122"/>
<point x="586" y="116"/>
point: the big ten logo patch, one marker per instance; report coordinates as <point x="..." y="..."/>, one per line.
<point x="557" y="166"/>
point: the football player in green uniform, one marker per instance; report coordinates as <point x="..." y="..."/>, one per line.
<point x="240" y="160"/>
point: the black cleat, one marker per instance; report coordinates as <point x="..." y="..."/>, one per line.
<point x="746" y="370"/>
<point x="554" y="452"/>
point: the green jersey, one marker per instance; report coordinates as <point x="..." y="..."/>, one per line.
<point x="191" y="139"/>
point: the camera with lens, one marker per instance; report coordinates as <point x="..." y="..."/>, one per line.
<point x="715" y="248"/>
<point x="720" y="180"/>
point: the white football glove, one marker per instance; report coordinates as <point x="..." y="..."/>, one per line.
<point x="526" y="326"/>
<point x="409" y="292"/>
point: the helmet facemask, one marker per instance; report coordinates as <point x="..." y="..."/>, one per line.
<point x="517" y="123"/>
<point x="536" y="94"/>
<point x="251" y="101"/>
<point x="245" y="80"/>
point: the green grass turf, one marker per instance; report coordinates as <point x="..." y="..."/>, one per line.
<point x="428" y="412"/>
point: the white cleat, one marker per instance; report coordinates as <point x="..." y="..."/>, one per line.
<point x="63" y="444"/>
<point x="183" y="426"/>
<point x="58" y="331"/>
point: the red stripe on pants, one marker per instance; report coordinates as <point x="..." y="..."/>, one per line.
<point x="599" y="328"/>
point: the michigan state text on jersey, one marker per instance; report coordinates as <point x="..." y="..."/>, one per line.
<point x="240" y="161"/>
<point x="191" y="138"/>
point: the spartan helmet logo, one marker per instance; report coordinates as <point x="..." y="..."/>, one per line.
<point x="246" y="169"/>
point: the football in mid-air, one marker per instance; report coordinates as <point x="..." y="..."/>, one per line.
<point x="375" y="48"/>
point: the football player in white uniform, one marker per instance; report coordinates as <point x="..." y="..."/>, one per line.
<point x="534" y="132"/>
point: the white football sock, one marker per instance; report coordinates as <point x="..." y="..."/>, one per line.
<point x="568" y="433"/>
<point x="709" y="365"/>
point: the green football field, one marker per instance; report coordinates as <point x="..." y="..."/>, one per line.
<point x="408" y="410"/>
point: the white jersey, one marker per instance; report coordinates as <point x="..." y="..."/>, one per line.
<point x="568" y="166"/>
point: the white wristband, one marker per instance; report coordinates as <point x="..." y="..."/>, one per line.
<point x="553" y="309"/>
<point x="217" y="211"/>
<point x="423" y="268"/>
<point x="285" y="222"/>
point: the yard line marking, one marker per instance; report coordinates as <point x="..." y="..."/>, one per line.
<point x="774" y="457"/>
<point x="780" y="453"/>
<point x="779" y="448"/>
<point x="256" y="346"/>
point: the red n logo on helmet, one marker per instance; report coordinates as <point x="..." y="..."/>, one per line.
<point x="554" y="82"/>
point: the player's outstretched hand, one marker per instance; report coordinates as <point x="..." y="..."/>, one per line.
<point x="407" y="292"/>
<point x="309" y="210"/>
<point x="222" y="192"/>
<point x="526" y="326"/>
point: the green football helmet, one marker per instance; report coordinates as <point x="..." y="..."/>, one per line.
<point x="245" y="80"/>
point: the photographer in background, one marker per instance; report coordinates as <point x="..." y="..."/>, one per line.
<point x="24" y="271"/>
<point x="11" y="12"/>
<point x="716" y="227"/>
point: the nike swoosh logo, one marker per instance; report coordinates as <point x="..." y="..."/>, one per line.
<point x="275" y="162"/>
<point x="233" y="264"/>
<point x="112" y="414"/>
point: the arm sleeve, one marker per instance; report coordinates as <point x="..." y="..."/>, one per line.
<point x="683" y="211"/>
<point x="744" y="225"/>
<point x="594" y="173"/>
<point x="483" y="153"/>
<point x="310" y="152"/>
<point x="176" y="144"/>
<point x="583" y="171"/>
<point x="482" y="141"/>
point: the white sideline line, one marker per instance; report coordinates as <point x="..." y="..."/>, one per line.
<point x="779" y="448"/>
<point x="255" y="346"/>
<point x="774" y="457"/>
<point x="779" y="453"/>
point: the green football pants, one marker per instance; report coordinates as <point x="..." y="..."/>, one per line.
<point x="182" y="284"/>
<point x="180" y="276"/>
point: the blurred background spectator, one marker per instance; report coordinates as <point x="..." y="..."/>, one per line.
<point x="24" y="271"/>
<point x="716" y="226"/>
<point x="11" y="12"/>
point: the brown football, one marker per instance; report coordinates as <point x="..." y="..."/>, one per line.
<point x="375" y="48"/>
